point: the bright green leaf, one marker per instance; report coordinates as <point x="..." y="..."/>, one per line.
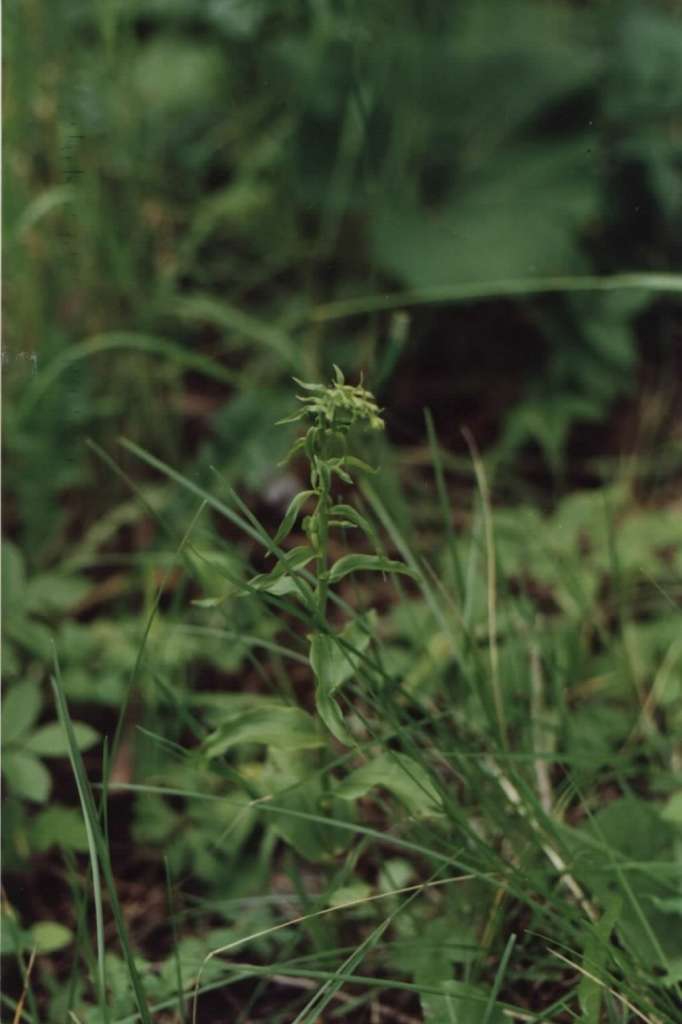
<point x="292" y="513"/>
<point x="399" y="774"/>
<point x="59" y="826"/>
<point x="287" y="728"/>
<point x="279" y="581"/>
<point x="352" y="893"/>
<point x="27" y="776"/>
<point x="356" y="518"/>
<point x="51" y="741"/>
<point x="355" y="463"/>
<point x="50" y="936"/>
<point x="332" y="716"/>
<point x="20" y="709"/>
<point x="55" y="592"/>
<point x="365" y="563"/>
<point x="334" y="659"/>
<point x="208" y="602"/>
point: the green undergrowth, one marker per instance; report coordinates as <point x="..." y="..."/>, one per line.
<point x="418" y="766"/>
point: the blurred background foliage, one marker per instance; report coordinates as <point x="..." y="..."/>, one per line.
<point x="189" y="184"/>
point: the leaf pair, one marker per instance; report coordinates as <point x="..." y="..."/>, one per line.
<point x="24" y="745"/>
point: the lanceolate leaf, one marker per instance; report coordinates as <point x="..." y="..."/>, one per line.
<point x="208" y="602"/>
<point x="355" y="518"/>
<point x="309" y="387"/>
<point x="399" y="774"/>
<point x="355" y="463"/>
<point x="287" y="524"/>
<point x="365" y="563"/>
<point x="287" y="728"/>
<point x="332" y="716"/>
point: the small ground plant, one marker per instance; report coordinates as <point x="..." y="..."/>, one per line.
<point x="334" y="414"/>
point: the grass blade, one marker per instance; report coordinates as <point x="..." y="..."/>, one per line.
<point x="99" y="854"/>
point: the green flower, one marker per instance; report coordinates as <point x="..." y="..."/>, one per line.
<point x="338" y="406"/>
<point x="335" y="410"/>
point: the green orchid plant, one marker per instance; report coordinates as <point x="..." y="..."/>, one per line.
<point x="336" y="414"/>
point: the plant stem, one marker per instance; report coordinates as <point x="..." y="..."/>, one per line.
<point x="322" y="538"/>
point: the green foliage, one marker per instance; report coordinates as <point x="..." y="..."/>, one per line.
<point x="199" y="197"/>
<point x="25" y="743"/>
<point x="398" y="774"/>
<point x="284" y="728"/>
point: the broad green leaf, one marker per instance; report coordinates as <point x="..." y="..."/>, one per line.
<point x="31" y="635"/>
<point x="334" y="659"/>
<point x="351" y="893"/>
<point x="27" y="776"/>
<point x="399" y="774"/>
<point x="287" y="728"/>
<point x="59" y="826"/>
<point x="287" y="524"/>
<point x="20" y="709"/>
<point x="437" y="947"/>
<point x="332" y="716"/>
<point x="506" y="235"/>
<point x="366" y="563"/>
<point x="55" y="592"/>
<point x="51" y="740"/>
<point x="174" y="76"/>
<point x="155" y="820"/>
<point x="50" y="936"/>
<point x="293" y="787"/>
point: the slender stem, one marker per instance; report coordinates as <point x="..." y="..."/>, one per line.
<point x="322" y="536"/>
